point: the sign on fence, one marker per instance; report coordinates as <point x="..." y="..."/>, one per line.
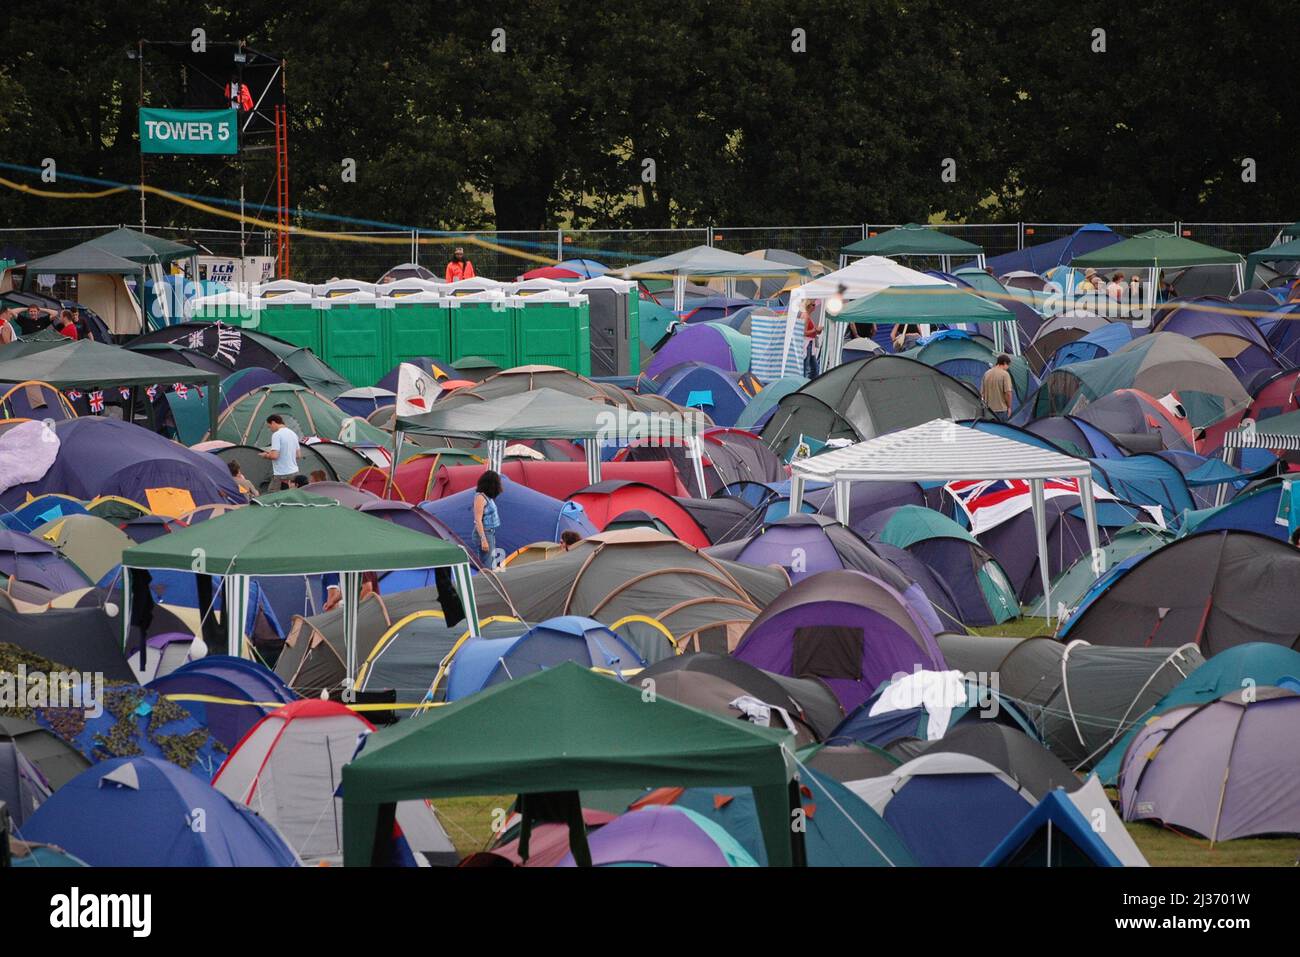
<point x="212" y="132"/>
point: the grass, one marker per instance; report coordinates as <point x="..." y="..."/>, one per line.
<point x="469" y="820"/>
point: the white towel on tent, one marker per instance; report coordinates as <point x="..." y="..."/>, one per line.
<point x="27" y="452"/>
<point x="936" y="691"/>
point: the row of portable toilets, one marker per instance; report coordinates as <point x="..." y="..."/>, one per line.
<point x="364" y="329"/>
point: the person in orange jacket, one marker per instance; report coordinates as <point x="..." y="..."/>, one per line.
<point x="458" y="267"/>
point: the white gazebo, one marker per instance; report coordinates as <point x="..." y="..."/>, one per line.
<point x="943" y="451"/>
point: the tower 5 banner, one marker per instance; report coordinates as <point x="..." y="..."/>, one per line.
<point x="189" y="131"/>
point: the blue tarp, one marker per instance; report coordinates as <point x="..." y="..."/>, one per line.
<point x="1046" y="256"/>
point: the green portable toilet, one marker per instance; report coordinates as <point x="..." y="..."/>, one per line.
<point x="285" y="311"/>
<point x="353" y="330"/>
<point x="552" y="329"/>
<point x="482" y="324"/>
<point x="416" y="319"/>
<point x="615" y="328"/>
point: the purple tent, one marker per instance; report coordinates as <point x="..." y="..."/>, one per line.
<point x="31" y="560"/>
<point x="99" y="456"/>
<point x="410" y="516"/>
<point x="867" y="499"/>
<point x="708" y="342"/>
<point x="1235" y="339"/>
<point x="660" y="836"/>
<point x="1226" y="769"/>
<point x="848" y="629"/>
<point x="1012" y="544"/>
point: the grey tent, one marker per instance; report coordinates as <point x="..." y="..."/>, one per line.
<point x="1215" y="589"/>
<point x="1010" y="750"/>
<point x="707" y="261"/>
<point x="34" y="763"/>
<point x="1081" y="698"/>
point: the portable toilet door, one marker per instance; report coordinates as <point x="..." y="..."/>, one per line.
<point x="418" y="324"/>
<point x="483" y="324"/>
<point x="553" y="328"/>
<point x="353" y="332"/>
<point x="286" y="312"/>
<point x="613" y="327"/>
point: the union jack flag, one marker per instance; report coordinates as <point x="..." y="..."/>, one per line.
<point x="73" y="395"/>
<point x="124" y="392"/>
<point x="989" y="503"/>
<point x="180" y="389"/>
<point x="97" y="402"/>
<point x="151" y="392"/>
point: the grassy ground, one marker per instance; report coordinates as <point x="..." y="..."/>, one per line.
<point x="469" y="820"/>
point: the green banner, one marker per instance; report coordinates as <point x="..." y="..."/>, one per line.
<point x="189" y="131"/>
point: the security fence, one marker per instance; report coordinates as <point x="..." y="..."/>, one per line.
<point x="505" y="255"/>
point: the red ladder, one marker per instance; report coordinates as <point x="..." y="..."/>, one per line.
<point x="281" y="192"/>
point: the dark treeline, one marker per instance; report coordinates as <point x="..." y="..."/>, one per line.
<point x="753" y="112"/>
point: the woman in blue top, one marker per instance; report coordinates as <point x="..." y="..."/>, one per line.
<point x="486" y="519"/>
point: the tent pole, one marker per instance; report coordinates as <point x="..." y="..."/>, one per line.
<point x="349" y="582"/>
<point x="841" y="489"/>
<point x="697" y="453"/>
<point x="465" y="585"/>
<point x="392" y="466"/>
<point x="796" y="493"/>
<point x="125" y="612"/>
<point x="236" y="597"/>
<point x="591" y="450"/>
<point x="1040" y="533"/>
<point x="1090" y="517"/>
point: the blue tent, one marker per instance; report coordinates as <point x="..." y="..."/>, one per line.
<point x="1254" y="511"/>
<point x="842" y="830"/>
<point x="1053" y="834"/>
<point x="1045" y="256"/>
<point x="1260" y="663"/>
<point x="224" y="676"/>
<point x="483" y="662"/>
<point x="860" y="727"/>
<point x="1076" y="437"/>
<point x="719" y="394"/>
<point x="952" y="810"/>
<point x="1100" y="342"/>
<point x="43" y="508"/>
<point x="143" y="812"/>
<point x="527" y="516"/>
<point x="1146" y="480"/>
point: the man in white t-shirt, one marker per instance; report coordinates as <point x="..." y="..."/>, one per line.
<point x="283" y="453"/>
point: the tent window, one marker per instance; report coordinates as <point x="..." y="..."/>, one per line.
<point x="828" y="651"/>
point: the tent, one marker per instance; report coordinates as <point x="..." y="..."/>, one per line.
<point x="1069" y="828"/>
<point x="912" y="239"/>
<point x="604" y="502"/>
<point x="98" y="457"/>
<point x="654" y="836"/>
<point x="1280" y="252"/>
<point x="101" y="282"/>
<point x="226" y="695"/>
<point x="87" y="365"/>
<point x="1255" y="664"/>
<point x="1058" y="332"/>
<point x="308" y="413"/>
<point x="1158" y="364"/>
<point x="296" y="534"/>
<point x="483" y="662"/>
<point x="527" y="516"/>
<point x="841" y="830"/>
<point x="31" y="560"/>
<point x="34" y="763"/>
<point x="1010" y="750"/>
<point x="1071" y="585"/>
<point x="843" y="627"/>
<point x="865" y="399"/>
<point x="1213" y="589"/>
<point x="707" y="261"/>
<point x="967" y="358"/>
<point x="140" y="812"/>
<point x="711" y="342"/>
<point x="1226" y="769"/>
<point x="950" y="809"/>
<point x="925" y="304"/>
<point x="563" y="730"/>
<point x="762" y="406"/>
<point x="91" y="543"/>
<point x="941" y="450"/>
<point x="719" y="394"/>
<point x="1156" y="250"/>
<point x="712" y="693"/>
<point x="1081" y="698"/>
<point x="1041" y="257"/>
<point x="288" y="770"/>
<point x="699" y="600"/>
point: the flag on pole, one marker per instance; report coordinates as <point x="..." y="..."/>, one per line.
<point x="180" y="389"/>
<point x="124" y="392"/>
<point x="96" y="402"/>
<point x="73" y="395"/>
<point x="151" y="392"/>
<point x="416" y="390"/>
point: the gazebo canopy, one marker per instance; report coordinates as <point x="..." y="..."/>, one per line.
<point x="912" y="239"/>
<point x="1156" y="249"/>
<point x="941" y="305"/>
<point x="943" y="451"/>
<point x="1289" y="250"/>
<point x="141" y="247"/>
<point x="708" y="261"/>
<point x="557" y="732"/>
<point x="84" y="258"/>
<point x="86" y="364"/>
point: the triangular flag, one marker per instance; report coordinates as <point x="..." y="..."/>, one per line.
<point x="416" y="390"/>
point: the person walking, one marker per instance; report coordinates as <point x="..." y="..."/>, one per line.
<point x="486" y="518"/>
<point x="995" y="389"/>
<point x="459" y="267"/>
<point x="283" y="453"/>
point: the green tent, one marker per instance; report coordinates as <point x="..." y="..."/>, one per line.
<point x="82" y="258"/>
<point x="1156" y="249"/>
<point x="141" y="247"/>
<point x="1289" y="251"/>
<point x="550" y="414"/>
<point x="557" y="732"/>
<point x="296" y="533"/>
<point x="306" y="412"/>
<point x="1069" y="587"/>
<point x="88" y="365"/>
<point x="912" y="239"/>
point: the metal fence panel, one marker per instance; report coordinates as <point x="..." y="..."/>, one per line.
<point x="1240" y="238"/>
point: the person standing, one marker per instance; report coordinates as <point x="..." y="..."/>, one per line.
<point x="995" y="389"/>
<point x="283" y="453"/>
<point x="459" y="267"/>
<point x="810" y="333"/>
<point x="486" y="518"/>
